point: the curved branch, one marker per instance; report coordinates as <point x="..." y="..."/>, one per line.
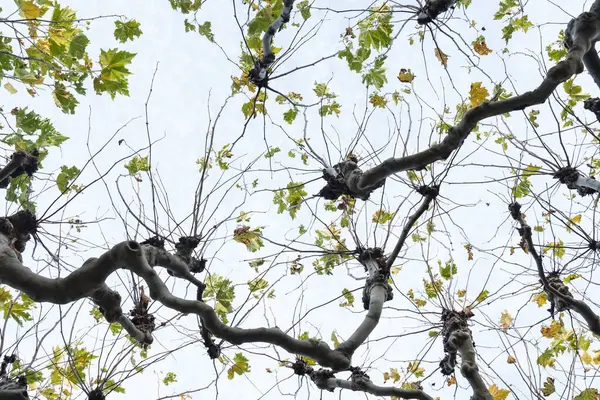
<point x="585" y="31"/>
<point x="90" y="277"/>
<point x="268" y="55"/>
<point x="370" y="387"/>
<point x="378" y="294"/>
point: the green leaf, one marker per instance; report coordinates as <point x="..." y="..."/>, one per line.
<point x="290" y="115"/>
<point x="114" y="72"/>
<point x="169" y="378"/>
<point x="549" y="387"/>
<point x="348" y="297"/>
<point x="78" y="45"/>
<point x="205" y="30"/>
<point x="304" y="8"/>
<point x="221" y="291"/>
<point x="381" y="216"/>
<point x="128" y="30"/>
<point x="240" y="366"/>
<point x="66" y="175"/>
<point x="588" y="394"/>
<point x="448" y="270"/>
<point x="138" y="164"/>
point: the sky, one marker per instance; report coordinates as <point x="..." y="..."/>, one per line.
<point x="191" y="80"/>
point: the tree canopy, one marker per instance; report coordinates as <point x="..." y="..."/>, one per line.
<point x="306" y="199"/>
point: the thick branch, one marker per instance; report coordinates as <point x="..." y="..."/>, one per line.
<point x="458" y="340"/>
<point x="378" y="292"/>
<point x="21" y="162"/>
<point x="584" y="33"/>
<point x="130" y="255"/>
<point x="432" y="9"/>
<point x="370" y="387"/>
<point x="268" y="55"/>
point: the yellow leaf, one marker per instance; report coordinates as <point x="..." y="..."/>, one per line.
<point x="406" y="76"/>
<point x="551" y="331"/>
<point x="540" y="299"/>
<point x="576" y="219"/>
<point x="511" y="360"/>
<point x="497" y="393"/>
<point x="505" y="320"/>
<point x="441" y="56"/>
<point x="30" y="10"/>
<point x="586" y="358"/>
<point x="11" y="89"/>
<point x="451" y="381"/>
<point x="478" y="94"/>
<point x="480" y="47"/>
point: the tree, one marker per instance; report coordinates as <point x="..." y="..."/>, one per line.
<point x="468" y="230"/>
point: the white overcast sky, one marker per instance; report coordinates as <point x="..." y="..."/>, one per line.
<point x="190" y="68"/>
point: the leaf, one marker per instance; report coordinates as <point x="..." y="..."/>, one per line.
<point x="505" y="320"/>
<point x="546" y="359"/>
<point x="381" y="216"/>
<point x="441" y="56"/>
<point x="451" y="380"/>
<point x="480" y="46"/>
<point x="169" y="378"/>
<point x="128" y="30"/>
<point x="78" y="45"/>
<point x="414" y="368"/>
<point x="10" y="88"/>
<point x="249" y="237"/>
<point x="114" y="72"/>
<point x="66" y="175"/>
<point x="138" y="164"/>
<point x="588" y="394"/>
<point x="497" y="393"/>
<point x="478" y="94"/>
<point x="335" y="340"/>
<point x="549" y="387"/>
<point x="551" y="331"/>
<point x="222" y="292"/>
<point x="482" y="296"/>
<point x="205" y="30"/>
<point x="406" y="76"/>
<point x="304" y="8"/>
<point x="349" y="297"/>
<point x="540" y="299"/>
<point x="30" y="10"/>
<point x="240" y="366"/>
<point x="511" y="360"/>
<point x="448" y="270"/>
<point x="557" y="248"/>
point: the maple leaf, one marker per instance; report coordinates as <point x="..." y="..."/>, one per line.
<point x="540" y="299"/>
<point x="506" y="320"/>
<point x="497" y="393"/>
<point x="548" y="388"/>
<point x="478" y="94"/>
<point x="441" y="56"/>
<point x="406" y="76"/>
<point x="480" y="46"/>
<point x="551" y="331"/>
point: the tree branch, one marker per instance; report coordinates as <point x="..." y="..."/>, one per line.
<point x="585" y="31"/>
<point x="552" y="289"/>
<point x="371" y="388"/>
<point x="90" y="277"/>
